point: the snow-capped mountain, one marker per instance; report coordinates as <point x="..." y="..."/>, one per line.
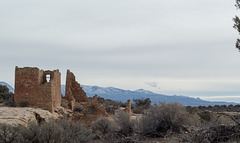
<point x="123" y="95"/>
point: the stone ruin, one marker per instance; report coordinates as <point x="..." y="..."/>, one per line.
<point x="128" y="107"/>
<point x="43" y="89"/>
<point x="38" y="87"/>
<point x="73" y="89"/>
<point x="77" y="97"/>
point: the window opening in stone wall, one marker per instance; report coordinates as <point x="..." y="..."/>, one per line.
<point x="48" y="77"/>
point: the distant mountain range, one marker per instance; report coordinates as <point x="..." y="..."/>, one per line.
<point x="123" y="95"/>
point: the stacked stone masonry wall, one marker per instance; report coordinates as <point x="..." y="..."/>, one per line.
<point x="73" y="89"/>
<point x="31" y="85"/>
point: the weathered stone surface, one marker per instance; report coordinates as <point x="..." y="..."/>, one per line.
<point x="91" y="111"/>
<point x="39" y="88"/>
<point x="74" y="90"/>
<point x="128" y="106"/>
<point x="95" y="99"/>
<point x="21" y="116"/>
<point x="61" y="112"/>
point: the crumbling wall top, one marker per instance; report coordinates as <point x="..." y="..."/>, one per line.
<point x="73" y="89"/>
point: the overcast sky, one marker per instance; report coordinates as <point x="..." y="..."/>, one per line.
<point x="182" y="47"/>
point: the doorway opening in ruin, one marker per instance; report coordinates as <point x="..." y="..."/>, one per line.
<point x="48" y="77"/>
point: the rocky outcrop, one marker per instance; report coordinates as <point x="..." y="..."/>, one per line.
<point x="21" y="116"/>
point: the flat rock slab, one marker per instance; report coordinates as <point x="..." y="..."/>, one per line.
<point x="21" y="116"/>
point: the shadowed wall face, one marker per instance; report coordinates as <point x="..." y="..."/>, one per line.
<point x="39" y="88"/>
<point x="74" y="90"/>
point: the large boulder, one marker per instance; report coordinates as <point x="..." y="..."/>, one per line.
<point x="21" y="116"/>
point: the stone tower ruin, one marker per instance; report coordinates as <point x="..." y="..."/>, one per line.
<point x="38" y="87"/>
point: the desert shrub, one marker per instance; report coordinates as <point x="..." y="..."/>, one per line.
<point x="121" y="104"/>
<point x="64" y="122"/>
<point x="10" y="103"/>
<point x="138" y="110"/>
<point x="8" y="134"/>
<point x="76" y="133"/>
<point x="111" y="106"/>
<point x="111" y="109"/>
<point x="125" y="124"/>
<point x="23" y="104"/>
<point x="221" y="133"/>
<point x="77" y="109"/>
<point x="142" y="102"/>
<point x="29" y="134"/>
<point x="209" y="107"/>
<point x="50" y="132"/>
<point x="217" y="108"/>
<point x="224" y="106"/>
<point x="192" y="110"/>
<point x="55" y="131"/>
<point x="141" y="105"/>
<point x="6" y="98"/>
<point x="224" y="120"/>
<point x="205" y="116"/>
<point x="162" y="118"/>
<point x="4" y="89"/>
<point x="103" y="128"/>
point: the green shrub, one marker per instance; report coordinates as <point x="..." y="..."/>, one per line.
<point x="162" y="118"/>
<point x="205" y="116"/>
<point x="50" y="132"/>
<point x="142" y="102"/>
<point x="141" y="105"/>
<point x="77" y="109"/>
<point x="4" y="89"/>
<point x="10" y="103"/>
<point x="23" y="104"/>
<point x="125" y="123"/>
<point x="138" y="110"/>
<point x="111" y="109"/>
<point x="111" y="106"/>
<point x="76" y="133"/>
<point x="121" y="104"/>
<point x="29" y="134"/>
<point x="6" y="96"/>
<point x="55" y="131"/>
<point x="8" y="134"/>
<point x="103" y="128"/>
<point x="7" y="99"/>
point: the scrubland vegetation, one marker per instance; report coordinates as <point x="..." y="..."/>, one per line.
<point x="163" y="122"/>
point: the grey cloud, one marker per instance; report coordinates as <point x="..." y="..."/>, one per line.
<point x="152" y="84"/>
<point x="136" y="39"/>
